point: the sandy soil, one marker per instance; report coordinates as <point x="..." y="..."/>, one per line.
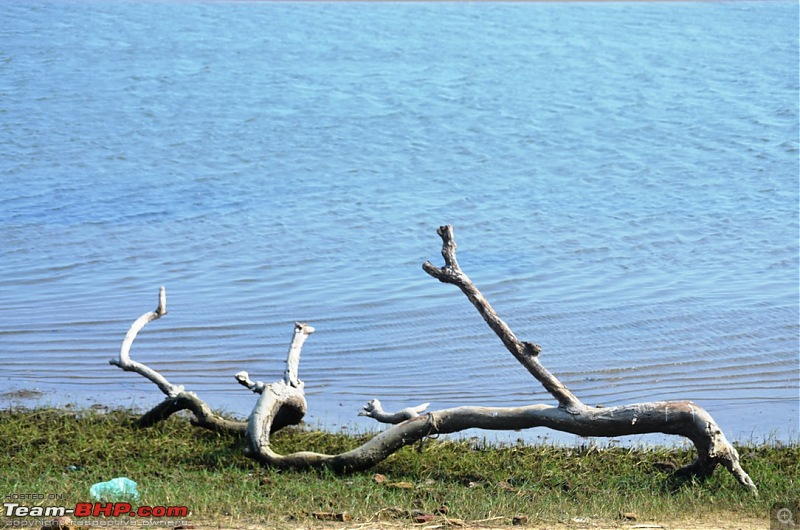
<point x="724" y="522"/>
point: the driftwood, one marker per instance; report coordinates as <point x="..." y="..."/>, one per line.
<point x="177" y="398"/>
<point x="283" y="403"/>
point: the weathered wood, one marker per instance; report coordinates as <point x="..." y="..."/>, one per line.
<point x="301" y="333"/>
<point x="280" y="404"/>
<point x="177" y="398"/>
<point x="203" y="415"/>
<point x="527" y="353"/>
<point x="124" y="359"/>
<point x="283" y="403"/>
<point x="684" y="418"/>
<point x="681" y="418"/>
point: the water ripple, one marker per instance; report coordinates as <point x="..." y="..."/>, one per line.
<point x="631" y="208"/>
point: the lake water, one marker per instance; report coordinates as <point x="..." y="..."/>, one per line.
<point x="622" y="179"/>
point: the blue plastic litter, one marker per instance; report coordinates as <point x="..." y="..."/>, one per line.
<point x="116" y="489"/>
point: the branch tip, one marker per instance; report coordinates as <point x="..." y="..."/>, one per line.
<point x="162" y="301"/>
<point x="304" y="328"/>
<point x="373" y="409"/>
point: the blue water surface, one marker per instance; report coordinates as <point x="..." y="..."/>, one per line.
<point x="622" y="178"/>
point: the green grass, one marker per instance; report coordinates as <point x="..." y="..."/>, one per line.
<point x="64" y="452"/>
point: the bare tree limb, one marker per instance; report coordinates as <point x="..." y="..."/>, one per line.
<point x="282" y="403"/>
<point x="203" y="415"/>
<point x="527" y="353"/>
<point x="301" y="333"/>
<point x="278" y="405"/>
<point x="289" y="407"/>
<point x="177" y="398"/>
<point x="680" y="418"/>
<point x="685" y="418"/>
<point x="124" y="360"/>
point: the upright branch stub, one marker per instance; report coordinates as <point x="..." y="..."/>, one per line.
<point x="124" y="360"/>
<point x="527" y="353"/>
<point x="290" y="378"/>
<point x="301" y="333"/>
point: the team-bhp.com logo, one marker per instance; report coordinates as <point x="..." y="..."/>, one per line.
<point x="93" y="509"/>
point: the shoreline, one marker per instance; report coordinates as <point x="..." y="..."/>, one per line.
<point x="31" y="398"/>
<point x="60" y="454"/>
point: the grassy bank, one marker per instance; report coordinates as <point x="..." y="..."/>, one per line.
<point x="64" y="452"/>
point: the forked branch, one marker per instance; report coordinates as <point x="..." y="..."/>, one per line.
<point x="279" y="404"/>
<point x="682" y="418"/>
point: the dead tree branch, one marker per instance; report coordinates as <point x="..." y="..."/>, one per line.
<point x="527" y="353"/>
<point x="177" y="398"/>
<point x="124" y="360"/>
<point x="681" y="418"/>
<point x="283" y="403"/>
<point x="279" y="404"/>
